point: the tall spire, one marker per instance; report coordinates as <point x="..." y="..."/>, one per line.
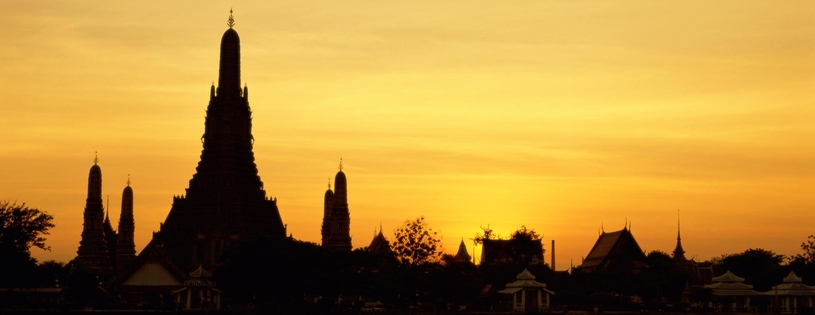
<point x="679" y="253"/>
<point x="125" y="246"/>
<point x="93" y="253"/>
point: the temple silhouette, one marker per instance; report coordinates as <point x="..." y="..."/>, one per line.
<point x="103" y="252"/>
<point x="225" y="201"/>
<point x="336" y="228"/>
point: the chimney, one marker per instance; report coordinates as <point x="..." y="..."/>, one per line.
<point x="553" y="255"/>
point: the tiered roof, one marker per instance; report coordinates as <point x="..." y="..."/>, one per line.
<point x="792" y="286"/>
<point x="730" y="284"/>
<point x="524" y="280"/>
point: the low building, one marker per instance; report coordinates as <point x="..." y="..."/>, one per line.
<point x="792" y="296"/>
<point x="731" y="293"/>
<point x="528" y="295"/>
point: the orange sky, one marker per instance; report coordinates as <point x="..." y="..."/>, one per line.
<point x="560" y="115"/>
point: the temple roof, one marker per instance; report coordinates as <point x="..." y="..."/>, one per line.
<point x="462" y="255"/>
<point x="728" y="277"/>
<point x="792" y="278"/>
<point x="792" y="286"/>
<point x="525" y="280"/>
<point x="610" y="243"/>
<point x="200" y="273"/>
<point x="379" y="244"/>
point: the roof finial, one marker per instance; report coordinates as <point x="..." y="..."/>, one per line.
<point x="95" y="158"/>
<point x="677" y="225"/>
<point x="231" y="21"/>
<point x="128" y="179"/>
<point x="329" y="183"/>
<point x="340" y="165"/>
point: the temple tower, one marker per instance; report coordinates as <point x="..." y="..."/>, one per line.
<point x="328" y="204"/>
<point x="679" y="252"/>
<point x="110" y="237"/>
<point x="93" y="253"/>
<point x="225" y="201"/>
<point x="125" y="245"/>
<point x="339" y="235"/>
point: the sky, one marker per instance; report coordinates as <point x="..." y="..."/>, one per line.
<point x="565" y="116"/>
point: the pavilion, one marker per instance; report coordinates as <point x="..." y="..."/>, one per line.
<point x="528" y="295"/>
<point x="731" y="287"/>
<point x="792" y="296"/>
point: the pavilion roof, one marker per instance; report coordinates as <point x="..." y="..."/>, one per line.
<point x="792" y="286"/>
<point x="728" y="277"/>
<point x="525" y="280"/>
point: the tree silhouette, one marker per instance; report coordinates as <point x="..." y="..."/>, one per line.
<point x="415" y="243"/>
<point x="21" y="228"/>
<point x="759" y="267"/>
<point x="808" y="247"/>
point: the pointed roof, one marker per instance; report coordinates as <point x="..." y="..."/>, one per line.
<point x="728" y="277"/>
<point x="153" y="267"/>
<point x="792" y="286"/>
<point x="792" y="278"/>
<point x="380" y="244"/>
<point x="609" y="245"/>
<point x="524" y="280"/>
<point x="462" y="255"/>
<point x="729" y="284"/>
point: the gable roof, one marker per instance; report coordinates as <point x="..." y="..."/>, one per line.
<point x="380" y="244"/>
<point x="610" y="244"/>
<point x="153" y="267"/>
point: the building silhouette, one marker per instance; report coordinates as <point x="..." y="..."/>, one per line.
<point x="125" y="244"/>
<point x="225" y="202"/>
<point x="462" y="256"/>
<point x="101" y="252"/>
<point x="336" y="228"/>
<point x="615" y="252"/>
<point x="379" y="244"/>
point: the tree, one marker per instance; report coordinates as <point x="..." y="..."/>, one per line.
<point x="524" y="234"/>
<point x="808" y="247"/>
<point x="21" y="228"/>
<point x="487" y="234"/>
<point x="525" y="245"/>
<point x="415" y="243"/>
<point x="759" y="267"/>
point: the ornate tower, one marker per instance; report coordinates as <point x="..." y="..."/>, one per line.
<point x="93" y="253"/>
<point x="110" y="237"/>
<point x="679" y="252"/>
<point x="225" y="201"/>
<point x="340" y="228"/>
<point x="125" y="245"/>
<point x="328" y="203"/>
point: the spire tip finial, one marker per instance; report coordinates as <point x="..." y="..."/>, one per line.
<point x="128" y="179"/>
<point x="231" y="21"/>
<point x="95" y="157"/>
<point x="340" y="167"/>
